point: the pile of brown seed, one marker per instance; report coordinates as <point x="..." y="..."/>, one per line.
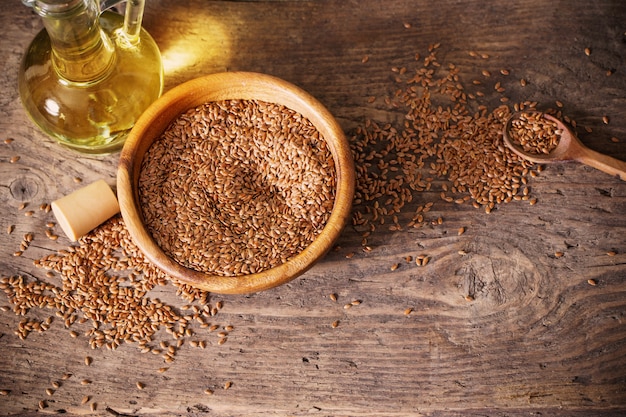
<point x="105" y="281"/>
<point x="236" y="187"/>
<point x="446" y="139"/>
<point x="534" y="134"/>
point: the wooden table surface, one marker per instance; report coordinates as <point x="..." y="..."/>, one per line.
<point x="534" y="338"/>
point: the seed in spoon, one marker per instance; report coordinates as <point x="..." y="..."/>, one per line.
<point x="534" y="134"/>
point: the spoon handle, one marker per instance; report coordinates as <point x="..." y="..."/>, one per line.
<point x="604" y="163"/>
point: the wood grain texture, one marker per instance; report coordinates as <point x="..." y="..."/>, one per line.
<point x="537" y="339"/>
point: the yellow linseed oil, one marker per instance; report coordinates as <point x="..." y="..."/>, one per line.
<point x="95" y="115"/>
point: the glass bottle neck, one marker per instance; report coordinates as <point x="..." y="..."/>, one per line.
<point x="81" y="51"/>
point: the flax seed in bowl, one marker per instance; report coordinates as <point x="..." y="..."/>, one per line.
<point x="235" y="182"/>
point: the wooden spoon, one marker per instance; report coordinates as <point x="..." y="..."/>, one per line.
<point x="569" y="148"/>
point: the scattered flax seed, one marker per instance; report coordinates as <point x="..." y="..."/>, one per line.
<point x="394" y="266"/>
<point x="469" y="297"/>
<point x="347" y="306"/>
<point x="140" y="385"/>
<point x="66" y="376"/>
<point x="558" y="254"/>
<point x="49" y="391"/>
<point x="408" y="311"/>
<point x="85" y="382"/>
<point x="29" y="213"/>
<point x="486" y="73"/>
<point x="605" y="120"/>
<point x="504" y="71"/>
<point x="461" y="231"/>
<point x="611" y="253"/>
<point x="208" y="391"/>
<point x="78" y="180"/>
<point x="14" y="159"/>
<point x="56" y="384"/>
<point x="93" y="406"/>
<point x="85" y="400"/>
<point x="614" y="139"/>
<point x="42" y="404"/>
<point x="88" y="360"/>
<point x="222" y="340"/>
<point x="558" y="104"/>
<point x="356" y="302"/>
<point x="5" y="392"/>
<point x="422" y="260"/>
<point x="98" y="284"/>
<point x="434" y="140"/>
<point x="10" y="229"/>
<point x="365" y="59"/>
<point x="228" y="384"/>
<point x="532" y="201"/>
<point x="335" y="324"/>
<point x="8" y="140"/>
<point x="350" y="255"/>
<point x="161" y="370"/>
<point x="523" y="82"/>
<point x="22" y="206"/>
<point x="333" y="296"/>
<point x="407" y="25"/>
<point x="587" y="51"/>
<point x="592" y="282"/>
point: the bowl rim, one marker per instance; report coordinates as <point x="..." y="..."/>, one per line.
<point x="223" y="86"/>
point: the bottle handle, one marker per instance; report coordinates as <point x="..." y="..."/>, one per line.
<point x="132" y="16"/>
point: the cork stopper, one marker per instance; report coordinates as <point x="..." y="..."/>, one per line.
<point x="85" y="209"/>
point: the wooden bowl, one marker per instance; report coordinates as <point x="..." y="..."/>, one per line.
<point x="226" y="86"/>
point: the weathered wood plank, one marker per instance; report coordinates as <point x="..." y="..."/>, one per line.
<point x="536" y="338"/>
